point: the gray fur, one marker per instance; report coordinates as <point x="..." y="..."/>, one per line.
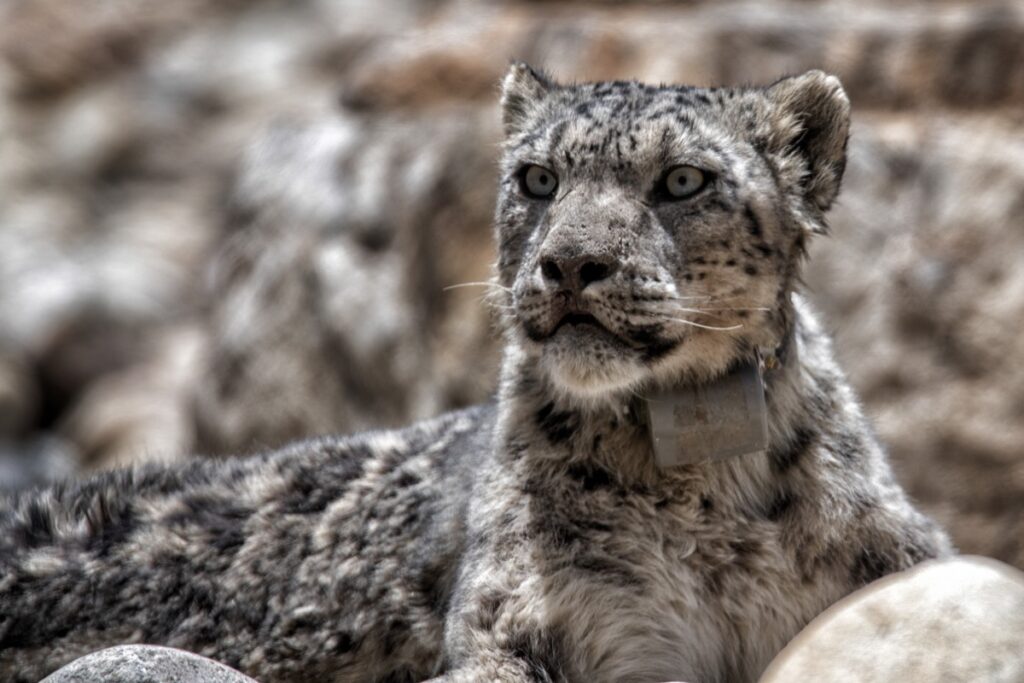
<point x="533" y="540"/>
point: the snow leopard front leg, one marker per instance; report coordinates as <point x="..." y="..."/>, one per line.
<point x="510" y="652"/>
<point x="498" y="627"/>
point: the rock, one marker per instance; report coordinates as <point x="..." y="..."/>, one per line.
<point x="144" y="664"/>
<point x="966" y="56"/>
<point x="960" y="619"/>
<point x="50" y="48"/>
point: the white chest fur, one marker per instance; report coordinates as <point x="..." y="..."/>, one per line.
<point x="667" y="595"/>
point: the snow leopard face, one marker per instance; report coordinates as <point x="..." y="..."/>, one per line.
<point x="652" y="234"/>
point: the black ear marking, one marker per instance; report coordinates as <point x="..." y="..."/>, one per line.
<point x="811" y="118"/>
<point x="522" y="90"/>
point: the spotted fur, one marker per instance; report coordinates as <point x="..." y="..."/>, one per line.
<point x="533" y="539"/>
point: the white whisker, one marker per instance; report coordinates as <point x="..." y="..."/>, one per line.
<point x="704" y="327"/>
<point x="680" y="309"/>
<point x="760" y="308"/>
<point x="494" y="285"/>
<point x="687" y="298"/>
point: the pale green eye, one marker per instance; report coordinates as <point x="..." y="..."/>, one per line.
<point x="538" y="182"/>
<point x="684" y="181"/>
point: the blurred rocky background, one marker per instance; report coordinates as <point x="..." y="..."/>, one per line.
<point x="228" y="224"/>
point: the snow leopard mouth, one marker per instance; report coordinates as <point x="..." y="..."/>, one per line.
<point x="579" y="319"/>
<point x="578" y="326"/>
<point x="582" y="325"/>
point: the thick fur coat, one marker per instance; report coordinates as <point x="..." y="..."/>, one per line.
<point x="648" y="237"/>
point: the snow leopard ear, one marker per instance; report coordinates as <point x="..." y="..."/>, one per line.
<point x="811" y="117"/>
<point x="522" y="90"/>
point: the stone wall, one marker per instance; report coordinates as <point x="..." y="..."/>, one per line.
<point x="224" y="225"/>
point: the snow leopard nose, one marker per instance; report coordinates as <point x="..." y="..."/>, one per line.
<point x="576" y="272"/>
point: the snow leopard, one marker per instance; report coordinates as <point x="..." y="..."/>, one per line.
<point x="649" y="237"/>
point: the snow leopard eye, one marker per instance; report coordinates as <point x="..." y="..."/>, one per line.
<point x="537" y="182"/>
<point x="680" y="182"/>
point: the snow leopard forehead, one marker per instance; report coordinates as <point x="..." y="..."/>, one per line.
<point x="798" y="125"/>
<point x="617" y="130"/>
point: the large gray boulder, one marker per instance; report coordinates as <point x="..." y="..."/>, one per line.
<point x="960" y="619"/>
<point x="145" y="664"/>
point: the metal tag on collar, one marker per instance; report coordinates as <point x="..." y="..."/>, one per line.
<point x="722" y="419"/>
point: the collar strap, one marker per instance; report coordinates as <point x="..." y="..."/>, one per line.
<point x="721" y="419"/>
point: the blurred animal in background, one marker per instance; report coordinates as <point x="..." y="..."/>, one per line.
<point x="331" y="304"/>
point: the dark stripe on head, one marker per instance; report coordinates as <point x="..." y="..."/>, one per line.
<point x="555" y="136"/>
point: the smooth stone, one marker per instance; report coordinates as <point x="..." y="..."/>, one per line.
<point x="957" y="619"/>
<point x="145" y="664"/>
